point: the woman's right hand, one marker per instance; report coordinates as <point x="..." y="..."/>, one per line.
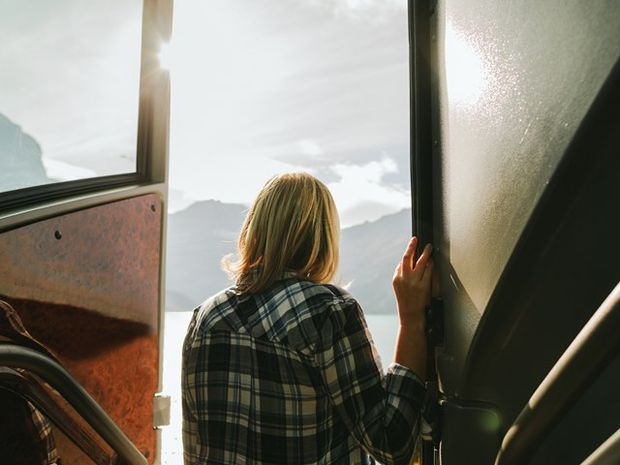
<point x="412" y="284"/>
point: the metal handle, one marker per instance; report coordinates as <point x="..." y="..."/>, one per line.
<point x="590" y="352"/>
<point x="60" y="379"/>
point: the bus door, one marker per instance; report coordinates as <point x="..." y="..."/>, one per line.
<point x="84" y="116"/>
<point x="515" y="117"/>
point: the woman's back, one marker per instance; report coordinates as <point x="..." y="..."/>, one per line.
<point x="290" y="376"/>
<point x="280" y="368"/>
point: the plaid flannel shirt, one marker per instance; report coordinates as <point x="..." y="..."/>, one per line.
<point x="291" y="376"/>
<point x="43" y="430"/>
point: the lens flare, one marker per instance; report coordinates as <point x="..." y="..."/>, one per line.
<point x="466" y="71"/>
<point x="166" y="56"/>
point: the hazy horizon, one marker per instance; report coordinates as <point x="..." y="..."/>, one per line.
<point x="247" y="206"/>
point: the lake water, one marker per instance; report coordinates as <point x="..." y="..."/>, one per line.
<point x="382" y="327"/>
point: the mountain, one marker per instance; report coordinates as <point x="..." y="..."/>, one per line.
<point x="199" y="236"/>
<point x="369" y="253"/>
<point x="20" y="158"/>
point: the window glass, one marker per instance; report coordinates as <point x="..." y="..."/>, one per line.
<point x="69" y="82"/>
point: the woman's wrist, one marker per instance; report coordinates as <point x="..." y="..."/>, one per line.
<point x="415" y="324"/>
<point x="410" y="350"/>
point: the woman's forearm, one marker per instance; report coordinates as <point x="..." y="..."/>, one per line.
<point x="410" y="350"/>
<point x="412" y="288"/>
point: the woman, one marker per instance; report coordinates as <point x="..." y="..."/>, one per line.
<point x="280" y="368"/>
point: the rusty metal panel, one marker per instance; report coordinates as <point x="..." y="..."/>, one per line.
<point x="86" y="284"/>
<point x="105" y="259"/>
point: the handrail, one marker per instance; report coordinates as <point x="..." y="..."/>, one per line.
<point x="607" y="453"/>
<point x="31" y="389"/>
<point x="60" y="379"/>
<point x="591" y="351"/>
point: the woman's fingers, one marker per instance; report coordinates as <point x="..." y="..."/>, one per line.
<point x="428" y="272"/>
<point x="420" y="266"/>
<point x="397" y="271"/>
<point x="408" y="264"/>
<point x="407" y="261"/>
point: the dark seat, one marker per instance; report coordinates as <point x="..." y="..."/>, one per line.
<point x="26" y="436"/>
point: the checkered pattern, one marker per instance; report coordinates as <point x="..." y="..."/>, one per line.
<point x="291" y="376"/>
<point x="43" y="429"/>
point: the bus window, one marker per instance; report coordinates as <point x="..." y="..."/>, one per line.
<point x="69" y="74"/>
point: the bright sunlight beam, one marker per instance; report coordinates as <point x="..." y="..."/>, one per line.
<point x="166" y="56"/>
<point x="465" y="69"/>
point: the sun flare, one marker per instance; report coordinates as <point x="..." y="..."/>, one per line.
<point x="166" y="56"/>
<point x="465" y="68"/>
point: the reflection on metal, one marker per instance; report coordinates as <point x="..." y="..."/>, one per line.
<point x="592" y="350"/>
<point x="161" y="410"/>
<point x="515" y="80"/>
<point x="607" y="454"/>
<point x="55" y="375"/>
<point x="520" y="87"/>
<point x="478" y="427"/>
<point x="466" y="72"/>
<point x="166" y="56"/>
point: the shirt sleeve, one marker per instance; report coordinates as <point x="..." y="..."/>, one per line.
<point x="381" y="411"/>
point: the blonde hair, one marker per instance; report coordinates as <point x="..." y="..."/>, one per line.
<point x="291" y="226"/>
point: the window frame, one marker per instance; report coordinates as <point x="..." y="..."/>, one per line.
<point x="152" y="128"/>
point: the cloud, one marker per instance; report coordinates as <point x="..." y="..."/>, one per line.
<point x="361" y="195"/>
<point x="371" y="172"/>
<point x="310" y="147"/>
<point x="375" y="10"/>
<point x="291" y="86"/>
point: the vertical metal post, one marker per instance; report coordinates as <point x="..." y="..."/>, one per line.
<point x="421" y="154"/>
<point x="420" y="114"/>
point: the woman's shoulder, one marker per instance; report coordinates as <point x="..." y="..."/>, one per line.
<point x="339" y="294"/>
<point x="218" y="299"/>
<point x="216" y="308"/>
<point x="325" y="293"/>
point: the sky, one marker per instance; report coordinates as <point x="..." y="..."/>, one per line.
<point x="259" y="87"/>
<point x="264" y="86"/>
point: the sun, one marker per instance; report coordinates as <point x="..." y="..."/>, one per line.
<point x="166" y="56"/>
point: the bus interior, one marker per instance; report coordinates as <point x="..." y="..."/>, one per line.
<point x="515" y="163"/>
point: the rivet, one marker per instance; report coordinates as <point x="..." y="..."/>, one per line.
<point x="58" y="234"/>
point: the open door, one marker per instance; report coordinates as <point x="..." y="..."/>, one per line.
<point x="515" y="167"/>
<point x="83" y="188"/>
